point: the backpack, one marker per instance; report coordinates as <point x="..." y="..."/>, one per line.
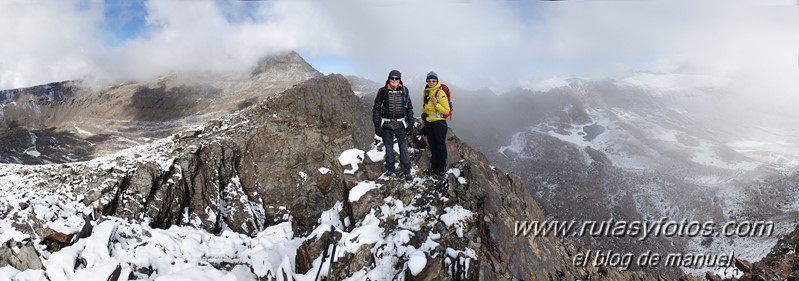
<point x="449" y="98"/>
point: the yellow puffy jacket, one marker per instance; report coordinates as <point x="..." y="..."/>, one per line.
<point x="435" y="112"/>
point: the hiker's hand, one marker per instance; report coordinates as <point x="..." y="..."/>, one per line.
<point x="434" y="100"/>
<point x="378" y="132"/>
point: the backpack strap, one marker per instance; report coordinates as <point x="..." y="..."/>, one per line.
<point x="405" y="97"/>
<point x="436" y="93"/>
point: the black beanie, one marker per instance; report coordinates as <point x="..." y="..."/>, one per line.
<point x="395" y="73"/>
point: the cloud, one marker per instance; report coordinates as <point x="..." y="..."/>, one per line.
<point x="499" y="44"/>
<point x="41" y="42"/>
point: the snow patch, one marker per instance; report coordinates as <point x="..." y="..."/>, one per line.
<point x="164" y="164"/>
<point x="456" y="216"/>
<point x="728" y="273"/>
<point x="517" y="145"/>
<point x="80" y="131"/>
<point x="360" y="189"/>
<point x="351" y="157"/>
<point x="416" y="262"/>
<point x="375" y="154"/>
<point x="32" y="150"/>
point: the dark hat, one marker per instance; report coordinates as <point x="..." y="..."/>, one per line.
<point x="395" y="73"/>
<point x="432" y="75"/>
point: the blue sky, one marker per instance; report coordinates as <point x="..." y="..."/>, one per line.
<point x="124" y="20"/>
<point x="495" y="44"/>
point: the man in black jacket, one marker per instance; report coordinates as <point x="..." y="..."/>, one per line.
<point x="392" y="115"/>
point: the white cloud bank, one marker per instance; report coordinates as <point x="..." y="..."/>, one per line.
<point x="471" y="43"/>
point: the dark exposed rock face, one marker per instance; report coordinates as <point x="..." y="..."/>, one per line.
<point x="782" y="263"/>
<point x="242" y="176"/>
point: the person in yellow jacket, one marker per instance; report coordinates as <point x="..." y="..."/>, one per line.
<point x="436" y="105"/>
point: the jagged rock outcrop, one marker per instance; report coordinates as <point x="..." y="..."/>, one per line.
<point x="782" y="263"/>
<point x="243" y="175"/>
<point x="23" y="255"/>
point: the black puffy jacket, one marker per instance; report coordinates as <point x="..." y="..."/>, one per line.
<point x="392" y="104"/>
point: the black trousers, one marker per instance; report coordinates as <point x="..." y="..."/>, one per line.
<point x="436" y="133"/>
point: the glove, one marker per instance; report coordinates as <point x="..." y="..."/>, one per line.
<point x="378" y="131"/>
<point x="424" y="117"/>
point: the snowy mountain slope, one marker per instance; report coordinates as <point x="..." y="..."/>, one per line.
<point x="641" y="148"/>
<point x="634" y="142"/>
<point x="73" y="121"/>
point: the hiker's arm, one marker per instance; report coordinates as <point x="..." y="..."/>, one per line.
<point x="442" y="105"/>
<point x="409" y="112"/>
<point x="376" y="109"/>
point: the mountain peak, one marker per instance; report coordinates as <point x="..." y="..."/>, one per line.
<point x="285" y="62"/>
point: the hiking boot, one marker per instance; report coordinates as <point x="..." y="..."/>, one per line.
<point x="388" y="174"/>
<point x="408" y="178"/>
<point x="439" y="176"/>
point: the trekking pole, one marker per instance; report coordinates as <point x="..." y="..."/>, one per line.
<point x="333" y="253"/>
<point x="324" y="254"/>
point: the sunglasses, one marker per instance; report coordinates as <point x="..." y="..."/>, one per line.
<point x="393" y="78"/>
<point x="431" y="81"/>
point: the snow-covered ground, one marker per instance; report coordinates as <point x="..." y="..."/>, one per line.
<point x="644" y="150"/>
<point x="683" y="96"/>
<point x="776" y="146"/>
<point x="136" y="250"/>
